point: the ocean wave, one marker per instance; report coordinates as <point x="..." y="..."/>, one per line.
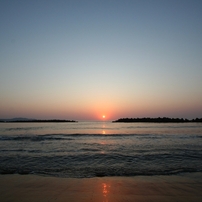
<point x="32" y="138"/>
<point x="98" y="172"/>
<point x="77" y="135"/>
<point x="58" y="150"/>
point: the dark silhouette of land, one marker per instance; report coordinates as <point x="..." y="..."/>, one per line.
<point x="157" y="120"/>
<point x="25" y="120"/>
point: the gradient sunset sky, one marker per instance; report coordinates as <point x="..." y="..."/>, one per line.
<point x="82" y="59"/>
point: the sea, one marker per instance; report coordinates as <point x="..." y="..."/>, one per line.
<point x="98" y="149"/>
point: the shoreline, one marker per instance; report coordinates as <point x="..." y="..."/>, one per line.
<point x="183" y="187"/>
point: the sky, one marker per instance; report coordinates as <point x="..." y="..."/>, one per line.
<point x="82" y="59"/>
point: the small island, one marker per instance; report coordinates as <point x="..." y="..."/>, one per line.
<point x="156" y="120"/>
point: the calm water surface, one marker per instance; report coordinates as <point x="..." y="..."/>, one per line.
<point x="89" y="149"/>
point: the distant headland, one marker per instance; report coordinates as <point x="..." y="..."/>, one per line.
<point x="156" y="120"/>
<point x="25" y="120"/>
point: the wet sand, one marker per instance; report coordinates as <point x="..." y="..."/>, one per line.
<point x="28" y="188"/>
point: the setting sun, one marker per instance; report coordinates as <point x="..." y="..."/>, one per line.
<point x="103" y="116"/>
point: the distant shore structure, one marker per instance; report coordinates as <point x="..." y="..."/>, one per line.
<point x="156" y="120"/>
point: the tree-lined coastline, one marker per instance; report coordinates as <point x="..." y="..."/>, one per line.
<point x="121" y="120"/>
<point x="157" y="120"/>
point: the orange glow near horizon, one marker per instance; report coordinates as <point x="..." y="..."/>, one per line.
<point x="98" y="110"/>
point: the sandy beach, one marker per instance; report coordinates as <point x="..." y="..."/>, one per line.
<point x="24" y="188"/>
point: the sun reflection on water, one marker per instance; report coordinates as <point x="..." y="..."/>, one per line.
<point x="105" y="191"/>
